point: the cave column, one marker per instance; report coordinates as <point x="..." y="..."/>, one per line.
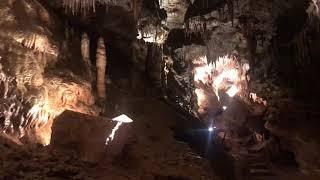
<point x="136" y="8"/>
<point x="101" y="63"/>
<point x="85" y="52"/>
<point x="154" y="64"/>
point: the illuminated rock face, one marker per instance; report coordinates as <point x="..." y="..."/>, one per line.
<point x="30" y="42"/>
<point x="220" y="67"/>
<point x="32" y="46"/>
<point x="176" y="10"/>
<point x="313" y="8"/>
<point x="152" y="34"/>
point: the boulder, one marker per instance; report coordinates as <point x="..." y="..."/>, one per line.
<point x="86" y="135"/>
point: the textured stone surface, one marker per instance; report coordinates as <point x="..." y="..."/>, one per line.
<point x="279" y="38"/>
<point x="81" y="133"/>
<point x="32" y="45"/>
<point x="176" y="10"/>
<point x="151" y="152"/>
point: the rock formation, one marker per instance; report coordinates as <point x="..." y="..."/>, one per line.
<point x="246" y="70"/>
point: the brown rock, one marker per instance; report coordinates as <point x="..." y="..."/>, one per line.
<point x="84" y="134"/>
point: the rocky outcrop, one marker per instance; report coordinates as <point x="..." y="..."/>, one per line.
<point x="282" y="68"/>
<point x="283" y="73"/>
<point x="87" y="135"/>
<point x="32" y="44"/>
<point x="176" y="10"/>
<point x="296" y="126"/>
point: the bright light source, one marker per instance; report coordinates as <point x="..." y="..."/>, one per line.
<point x="210" y="129"/>
<point x="224" y="108"/>
<point x="120" y="119"/>
<point x="113" y="132"/>
<point x="232" y="91"/>
<point x="123" y="118"/>
<point x="226" y="75"/>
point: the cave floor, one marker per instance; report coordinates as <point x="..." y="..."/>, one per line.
<point x="151" y="152"/>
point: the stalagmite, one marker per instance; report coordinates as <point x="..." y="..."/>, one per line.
<point x="85" y="52"/>
<point x="101" y="69"/>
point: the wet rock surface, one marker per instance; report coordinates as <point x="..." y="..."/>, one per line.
<point x="32" y="46"/>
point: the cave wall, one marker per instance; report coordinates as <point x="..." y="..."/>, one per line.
<point x="33" y="90"/>
<point x="41" y="62"/>
<point x="279" y="40"/>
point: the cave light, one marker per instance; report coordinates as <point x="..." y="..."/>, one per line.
<point x="123" y="118"/>
<point x="203" y="70"/>
<point x="225" y="74"/>
<point x="226" y="70"/>
<point x="212" y="128"/>
<point x="120" y="120"/>
<point x="232" y="91"/>
<point x="224" y="108"/>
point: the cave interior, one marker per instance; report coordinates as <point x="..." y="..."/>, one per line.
<point x="160" y="89"/>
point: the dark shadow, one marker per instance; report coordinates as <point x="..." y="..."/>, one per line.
<point x="196" y="134"/>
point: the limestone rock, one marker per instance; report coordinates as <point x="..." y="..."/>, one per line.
<point x="176" y="10"/>
<point x="82" y="133"/>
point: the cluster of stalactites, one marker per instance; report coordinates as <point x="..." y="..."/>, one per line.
<point x="76" y="6"/>
<point x="225" y="74"/>
<point x="196" y="25"/>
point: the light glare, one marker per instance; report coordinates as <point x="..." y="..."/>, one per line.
<point x="232" y="91"/>
<point x="120" y="119"/>
<point x="123" y="118"/>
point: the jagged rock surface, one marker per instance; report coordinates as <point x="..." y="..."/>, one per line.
<point x="30" y="48"/>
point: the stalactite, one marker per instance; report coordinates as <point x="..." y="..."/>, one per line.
<point x="230" y="6"/>
<point x="101" y="63"/>
<point x="135" y="10"/>
<point x="148" y="58"/>
<point x="205" y="24"/>
<point x="161" y="66"/>
<point x="76" y="6"/>
<point x="187" y="29"/>
<point x="85" y="52"/>
<point x="220" y="11"/>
